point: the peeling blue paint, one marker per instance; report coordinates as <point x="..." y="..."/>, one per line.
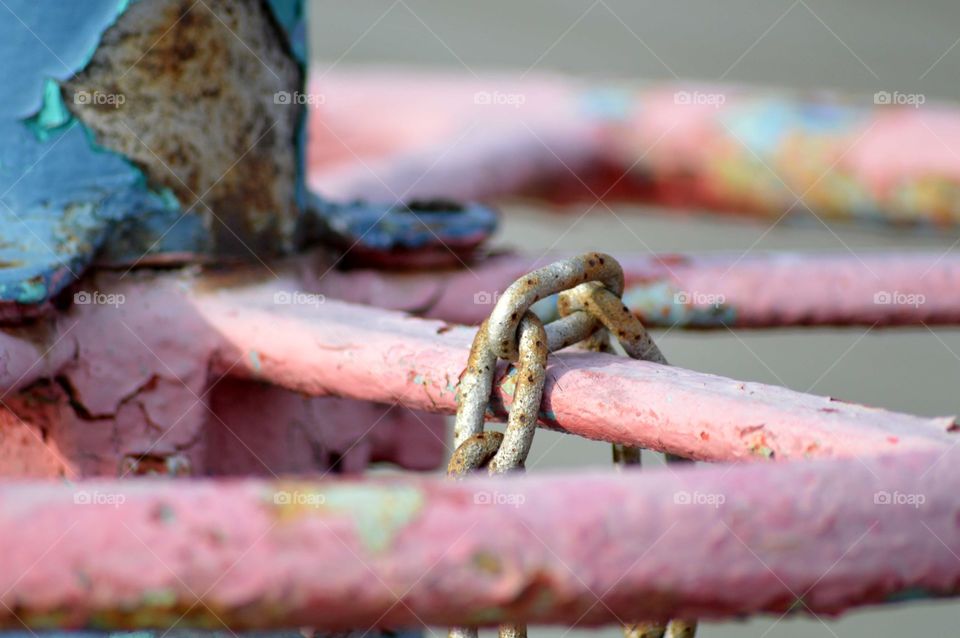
<point x="388" y="227"/>
<point x="60" y="194"/>
<point x="65" y="199"/>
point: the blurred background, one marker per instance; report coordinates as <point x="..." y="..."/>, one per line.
<point x="858" y="46"/>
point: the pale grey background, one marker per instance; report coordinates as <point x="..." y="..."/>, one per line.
<point x="856" y="45"/>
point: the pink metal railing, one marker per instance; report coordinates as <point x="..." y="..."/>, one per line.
<point x="762" y="290"/>
<point x="711" y="542"/>
<point x="104" y="389"/>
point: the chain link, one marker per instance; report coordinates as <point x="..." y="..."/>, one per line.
<point x="591" y="310"/>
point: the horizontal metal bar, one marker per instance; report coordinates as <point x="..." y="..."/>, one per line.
<point x="765" y="152"/>
<point x="379" y="355"/>
<point x="275" y="332"/>
<point x="765" y="290"/>
<point x="707" y="542"/>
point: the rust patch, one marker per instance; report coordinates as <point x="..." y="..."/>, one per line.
<point x="188" y="91"/>
<point x="474" y="453"/>
<point x="155" y="465"/>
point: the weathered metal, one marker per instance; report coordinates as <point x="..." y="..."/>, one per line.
<point x="531" y="372"/>
<point x="539" y="284"/>
<point x="756" y="290"/>
<point x="383" y="356"/>
<point x="130" y="103"/>
<point x="512" y="321"/>
<point x="507" y="452"/>
<point x="767" y="152"/>
<point x="180" y="332"/>
<point x="87" y="163"/>
<point x="120" y="385"/>
<point x="582" y="549"/>
<point x="171" y="132"/>
<point x="619" y="322"/>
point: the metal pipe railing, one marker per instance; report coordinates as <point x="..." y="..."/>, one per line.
<point x="706" y="542"/>
<point x="317" y="346"/>
<point x="385" y="356"/>
<point x="765" y="290"/>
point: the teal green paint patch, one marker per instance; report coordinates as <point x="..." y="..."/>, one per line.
<point x="25" y="292"/>
<point x="168" y="198"/>
<point x="255" y="360"/>
<point x="53" y="113"/>
<point x="548" y="415"/>
<point x="379" y="513"/>
<point x="910" y="594"/>
<point x="31" y="292"/>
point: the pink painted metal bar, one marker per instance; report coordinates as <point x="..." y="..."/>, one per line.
<point x="762" y="290"/>
<point x="384" y="356"/>
<point x="182" y="331"/>
<point x="714" y="542"/>
<point x="766" y="152"/>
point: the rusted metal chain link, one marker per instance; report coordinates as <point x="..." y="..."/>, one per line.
<point x="591" y="310"/>
<point x="557" y="277"/>
<point x="510" y="450"/>
<point x="499" y="452"/>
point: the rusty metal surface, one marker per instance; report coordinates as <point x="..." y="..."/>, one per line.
<point x="541" y="283"/>
<point x="201" y="114"/>
<point x="170" y="132"/>
<point x="531" y="372"/>
<point x="582" y="306"/>
<point x="507" y="452"/>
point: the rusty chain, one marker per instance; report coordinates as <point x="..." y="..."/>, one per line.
<point x="589" y="288"/>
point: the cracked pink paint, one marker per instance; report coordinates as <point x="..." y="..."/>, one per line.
<point x="99" y="387"/>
